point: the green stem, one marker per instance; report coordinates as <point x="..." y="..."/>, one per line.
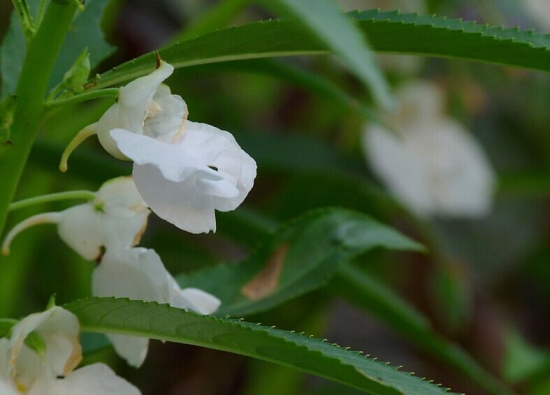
<point x="52" y="197"/>
<point x="40" y="14"/>
<point x="22" y="9"/>
<point x="31" y="91"/>
<point x="113" y="92"/>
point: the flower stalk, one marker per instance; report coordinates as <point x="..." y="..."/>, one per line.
<point x="52" y="197"/>
<point x="31" y="91"/>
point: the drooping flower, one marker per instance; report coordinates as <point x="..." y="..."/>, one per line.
<point x="138" y="273"/>
<point x="115" y="218"/>
<point x="184" y="182"/>
<point x="50" y="370"/>
<point x="184" y="170"/>
<point x="433" y="165"/>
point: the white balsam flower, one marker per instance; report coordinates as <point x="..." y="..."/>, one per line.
<point x="138" y="273"/>
<point x="184" y="170"/>
<point x="51" y="370"/>
<point x="116" y="218"/>
<point x="144" y="107"/>
<point x="184" y="182"/>
<point x="433" y="165"/>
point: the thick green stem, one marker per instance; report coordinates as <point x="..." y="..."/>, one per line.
<point x="31" y="91"/>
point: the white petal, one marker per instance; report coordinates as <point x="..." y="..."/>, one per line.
<point x="135" y="273"/>
<point x="132" y="348"/>
<point x="168" y="124"/>
<point x="461" y="178"/>
<point x="96" y="379"/>
<point x="6" y="388"/>
<point x="195" y="300"/>
<point x="131" y="108"/>
<point x="185" y="182"/>
<point x="59" y="329"/>
<point x="121" y="197"/>
<point x="138" y="92"/>
<point x="81" y="228"/>
<point x="175" y="165"/>
<point x="435" y="167"/>
<point x="418" y="101"/>
<point x="30" y="371"/>
<point x="182" y="204"/>
<point x="168" y="180"/>
<point x="4" y="360"/>
<point x="539" y="10"/>
<point x="218" y="148"/>
<point x="402" y="172"/>
<point x="138" y="273"/>
<point x="115" y="219"/>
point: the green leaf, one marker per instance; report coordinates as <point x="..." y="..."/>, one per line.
<point x="522" y="360"/>
<point x="431" y="35"/>
<point x="387" y="32"/>
<point x="5" y="326"/>
<point x="297" y="258"/>
<point x="292" y="74"/>
<point x="379" y="300"/>
<point x="84" y="32"/>
<point x="382" y="302"/>
<point x="338" y="32"/>
<point x="290" y="349"/>
<point x="12" y="54"/>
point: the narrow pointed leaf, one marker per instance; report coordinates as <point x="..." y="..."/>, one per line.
<point x="339" y="33"/>
<point x="85" y="32"/>
<point x="290" y="349"/>
<point x="297" y="258"/>
<point x="386" y="31"/>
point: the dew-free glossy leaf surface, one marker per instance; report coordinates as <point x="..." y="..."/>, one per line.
<point x="84" y="33"/>
<point x="286" y="348"/>
<point x="386" y="32"/>
<point x="297" y="258"/>
<point x="325" y="21"/>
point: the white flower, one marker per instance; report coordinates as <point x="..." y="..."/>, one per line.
<point x="115" y="218"/>
<point x="539" y="10"/>
<point x="184" y="182"/>
<point x="184" y="170"/>
<point x="50" y="370"/>
<point x="145" y="107"/>
<point x="433" y="165"/>
<point x="138" y="273"/>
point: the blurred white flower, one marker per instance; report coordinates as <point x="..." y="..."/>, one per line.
<point x="116" y="218"/>
<point x="49" y="369"/>
<point x="539" y="10"/>
<point x="433" y="165"/>
<point x="184" y="170"/>
<point x="139" y="273"/>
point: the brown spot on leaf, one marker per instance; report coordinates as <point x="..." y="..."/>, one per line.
<point x="266" y="281"/>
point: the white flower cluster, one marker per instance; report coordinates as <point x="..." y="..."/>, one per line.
<point x="183" y="171"/>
